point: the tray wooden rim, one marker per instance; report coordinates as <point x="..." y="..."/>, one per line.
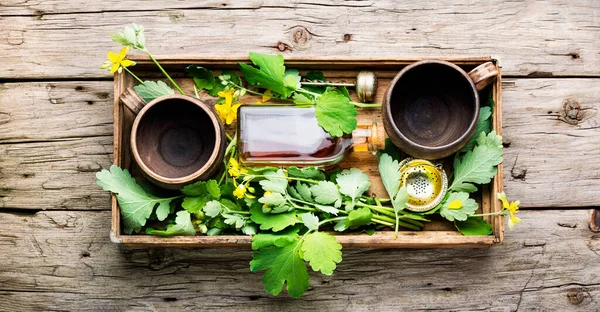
<point x="382" y="239"/>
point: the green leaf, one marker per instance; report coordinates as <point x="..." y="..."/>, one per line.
<point x="340" y="226"/>
<point x="294" y="193"/>
<point x="391" y="150"/>
<point x="249" y="229"/>
<point x="468" y="207"/>
<point x="195" y="189"/>
<point x="401" y="199"/>
<point x="353" y="182"/>
<point x="213" y="232"/>
<point x="136" y="205"/>
<point x="312" y="173"/>
<point x="183" y="226"/>
<point x="275" y="182"/>
<point x="328" y="209"/>
<point x="310" y="221"/>
<point x="322" y="251"/>
<point x="491" y="139"/>
<point x="473" y="226"/>
<point x="304" y="191"/>
<point x="279" y="239"/>
<point x="389" y="170"/>
<point x="234" y="220"/>
<point x="315" y="76"/>
<point x="152" y="89"/>
<point x="131" y="37"/>
<point x="478" y="165"/>
<point x="269" y="75"/>
<point x="302" y="99"/>
<point x="335" y="114"/>
<point x="291" y="79"/>
<point x="274" y="222"/>
<point x="212" y="209"/>
<point x="358" y="217"/>
<point x="194" y="204"/>
<point x="326" y="192"/>
<point x="227" y="189"/>
<point x="273" y="199"/>
<point x="213" y="189"/>
<point x="283" y="265"/>
<point x="219" y="86"/>
<point x="484" y="124"/>
<point x="230" y="205"/>
<point x="204" y="78"/>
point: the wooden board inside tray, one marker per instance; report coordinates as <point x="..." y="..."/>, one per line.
<point x="436" y="234"/>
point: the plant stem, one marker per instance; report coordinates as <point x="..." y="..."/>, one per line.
<point x="251" y="91"/>
<point x="488" y="214"/>
<point x="365" y="105"/>
<point x="383" y="218"/>
<point x="278" y="177"/>
<point x="298" y="206"/>
<point x="316" y="95"/>
<point x="132" y="74"/>
<point x="164" y="72"/>
<point x="330" y="220"/>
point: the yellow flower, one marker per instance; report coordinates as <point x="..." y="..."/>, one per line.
<point x="234" y="168"/>
<point x="511" y="208"/>
<point x="117" y="62"/>
<point x="227" y="111"/>
<point x="266" y="96"/>
<point x="240" y="190"/>
<point x="457" y="204"/>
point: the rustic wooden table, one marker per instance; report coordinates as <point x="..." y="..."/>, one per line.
<point x="56" y="133"/>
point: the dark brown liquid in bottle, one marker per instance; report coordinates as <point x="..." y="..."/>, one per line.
<point x="282" y="135"/>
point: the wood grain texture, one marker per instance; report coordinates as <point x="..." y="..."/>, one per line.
<point x="64" y="261"/>
<point x="54" y="175"/>
<point x="69" y="39"/>
<point x="551" y="132"/>
<point x="549" y="151"/>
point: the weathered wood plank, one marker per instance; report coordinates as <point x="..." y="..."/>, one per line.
<point x="540" y="38"/>
<point x="548" y="153"/>
<point x="38" y="111"/>
<point x="64" y="261"/>
<point x="551" y="129"/>
<point x="54" y="175"/>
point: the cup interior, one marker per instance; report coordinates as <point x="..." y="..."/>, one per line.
<point x="433" y="105"/>
<point x="175" y="138"/>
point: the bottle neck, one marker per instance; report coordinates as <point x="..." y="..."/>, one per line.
<point x="368" y="138"/>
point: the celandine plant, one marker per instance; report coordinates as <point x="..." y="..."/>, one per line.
<point x="290" y="212"/>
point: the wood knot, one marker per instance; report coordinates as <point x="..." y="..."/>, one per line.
<point x="347" y="37"/>
<point x="282" y="47"/>
<point x="575" y="295"/>
<point x="15" y="37"/>
<point x="300" y="35"/>
<point x="518" y="173"/>
<point x="572" y="112"/>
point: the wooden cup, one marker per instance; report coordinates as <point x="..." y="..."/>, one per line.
<point x="175" y="139"/>
<point x="431" y="107"/>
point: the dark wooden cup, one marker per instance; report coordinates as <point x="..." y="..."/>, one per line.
<point x="175" y="139"/>
<point x="431" y="107"/>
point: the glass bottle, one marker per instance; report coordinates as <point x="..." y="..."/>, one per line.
<point x="291" y="136"/>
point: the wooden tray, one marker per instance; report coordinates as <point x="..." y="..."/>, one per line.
<point x="436" y="234"/>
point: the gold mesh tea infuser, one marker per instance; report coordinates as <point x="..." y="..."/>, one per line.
<point x="426" y="183"/>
